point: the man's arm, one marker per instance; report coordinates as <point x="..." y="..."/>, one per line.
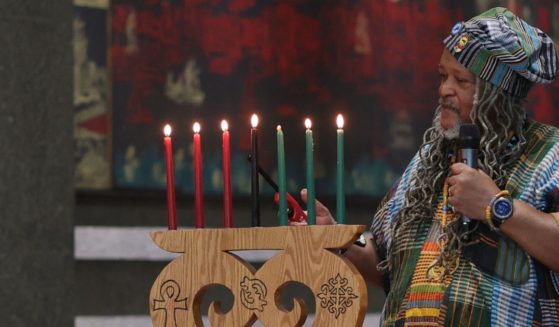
<point x="536" y="232"/>
<point x="365" y="259"/>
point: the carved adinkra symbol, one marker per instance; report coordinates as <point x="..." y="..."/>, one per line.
<point x="253" y="294"/>
<point x="170" y="302"/>
<point x="336" y="295"/>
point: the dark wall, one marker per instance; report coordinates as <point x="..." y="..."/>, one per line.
<point x="36" y="165"/>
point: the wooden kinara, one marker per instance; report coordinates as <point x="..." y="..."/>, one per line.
<point x="307" y="255"/>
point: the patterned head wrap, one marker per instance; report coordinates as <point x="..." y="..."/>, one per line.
<point x="502" y="49"/>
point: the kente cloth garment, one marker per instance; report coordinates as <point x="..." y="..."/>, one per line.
<point x="425" y="295"/>
<point x="495" y="283"/>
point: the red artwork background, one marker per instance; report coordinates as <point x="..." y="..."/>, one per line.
<point x="374" y="61"/>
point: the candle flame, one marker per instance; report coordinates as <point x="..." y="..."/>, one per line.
<point x="308" y="123"/>
<point x="254" y="121"/>
<point x="224" y="125"/>
<point x="340" y="121"/>
<point x="167" y="130"/>
<point x="278" y="128"/>
<point x="196" y="127"/>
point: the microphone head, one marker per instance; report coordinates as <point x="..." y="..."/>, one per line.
<point x="469" y="136"/>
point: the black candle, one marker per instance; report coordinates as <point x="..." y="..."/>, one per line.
<point x="254" y="172"/>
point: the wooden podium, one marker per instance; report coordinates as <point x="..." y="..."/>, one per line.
<point x="304" y="257"/>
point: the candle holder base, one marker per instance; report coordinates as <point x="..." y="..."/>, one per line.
<point x="304" y="257"/>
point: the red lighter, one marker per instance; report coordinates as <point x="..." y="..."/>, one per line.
<point x="294" y="211"/>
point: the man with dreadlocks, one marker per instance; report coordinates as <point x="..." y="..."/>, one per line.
<point x="501" y="269"/>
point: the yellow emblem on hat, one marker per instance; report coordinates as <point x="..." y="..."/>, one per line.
<point x="461" y="42"/>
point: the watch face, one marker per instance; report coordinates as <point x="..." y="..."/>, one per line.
<point x="502" y="209"/>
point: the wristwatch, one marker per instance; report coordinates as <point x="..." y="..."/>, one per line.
<point x="501" y="209"/>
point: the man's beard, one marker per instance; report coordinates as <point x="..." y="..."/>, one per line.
<point x="453" y="132"/>
<point x="496" y="159"/>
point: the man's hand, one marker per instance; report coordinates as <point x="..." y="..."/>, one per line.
<point x="323" y="215"/>
<point x="470" y="191"/>
<point x="365" y="258"/>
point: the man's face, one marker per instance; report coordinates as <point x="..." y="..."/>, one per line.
<point x="456" y="92"/>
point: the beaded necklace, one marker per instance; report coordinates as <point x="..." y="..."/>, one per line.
<point x="447" y="208"/>
<point x="437" y="270"/>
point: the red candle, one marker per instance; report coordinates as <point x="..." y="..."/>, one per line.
<point x="198" y="195"/>
<point x="226" y="155"/>
<point x="171" y="204"/>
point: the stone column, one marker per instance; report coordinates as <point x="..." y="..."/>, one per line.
<point x="36" y="163"/>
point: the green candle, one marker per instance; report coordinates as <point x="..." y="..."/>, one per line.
<point x="340" y="196"/>
<point x="281" y="178"/>
<point x="311" y="214"/>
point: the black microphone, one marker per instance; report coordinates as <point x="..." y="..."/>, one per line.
<point x="468" y="143"/>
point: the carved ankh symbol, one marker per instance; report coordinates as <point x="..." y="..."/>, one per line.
<point x="170" y="302"/>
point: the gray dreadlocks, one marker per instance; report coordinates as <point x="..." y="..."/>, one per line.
<point x="497" y="114"/>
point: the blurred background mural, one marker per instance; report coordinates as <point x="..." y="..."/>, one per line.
<point x="181" y="61"/>
<point x="91" y="102"/>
